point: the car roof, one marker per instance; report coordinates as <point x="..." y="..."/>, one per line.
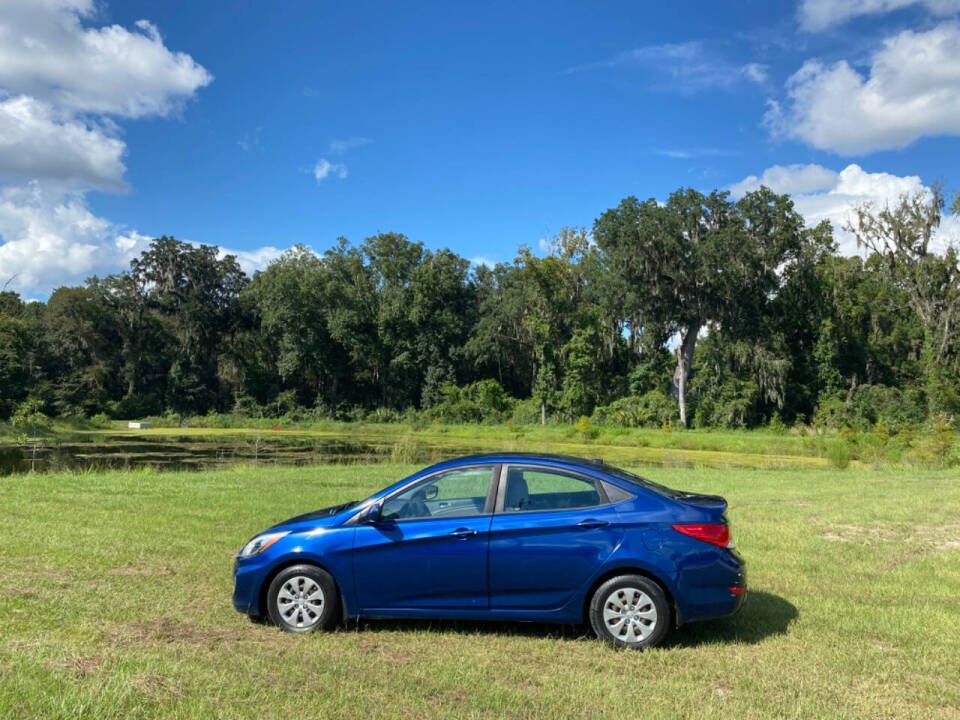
<point x="548" y="458"/>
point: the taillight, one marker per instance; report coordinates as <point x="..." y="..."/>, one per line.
<point x="713" y="533"/>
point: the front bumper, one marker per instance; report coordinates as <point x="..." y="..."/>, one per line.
<point x="248" y="577"/>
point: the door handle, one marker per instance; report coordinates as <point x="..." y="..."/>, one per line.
<point x="463" y="533"/>
<point x="592" y="523"/>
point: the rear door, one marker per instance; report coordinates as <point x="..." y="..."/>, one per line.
<point x="551" y="531"/>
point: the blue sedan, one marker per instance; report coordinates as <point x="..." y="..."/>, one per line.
<point x="530" y="537"/>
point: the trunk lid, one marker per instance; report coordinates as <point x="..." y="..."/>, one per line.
<point x="714" y="504"/>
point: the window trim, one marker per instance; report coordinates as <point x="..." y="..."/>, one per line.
<point x="502" y="489"/>
<point x="495" y="470"/>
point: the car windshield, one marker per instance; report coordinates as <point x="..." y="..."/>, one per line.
<point x="642" y="482"/>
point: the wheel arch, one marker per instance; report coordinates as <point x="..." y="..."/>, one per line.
<point x="288" y="563"/>
<point x="632" y="570"/>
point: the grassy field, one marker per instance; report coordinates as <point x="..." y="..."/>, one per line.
<point x="115" y="603"/>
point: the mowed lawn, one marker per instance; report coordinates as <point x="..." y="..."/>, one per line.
<point x="115" y="602"/>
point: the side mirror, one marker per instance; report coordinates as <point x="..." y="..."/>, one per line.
<point x="372" y="513"/>
<point x="431" y="492"/>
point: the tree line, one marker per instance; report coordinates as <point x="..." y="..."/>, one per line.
<point x="700" y="311"/>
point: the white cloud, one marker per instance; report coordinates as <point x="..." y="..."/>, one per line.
<point x="37" y="144"/>
<point x="790" y="179"/>
<point x="821" y="14"/>
<point x="912" y="91"/>
<point x="251" y="261"/>
<point x="477" y="260"/>
<point x="821" y="194"/>
<point x="756" y="72"/>
<point x="683" y="67"/>
<point x="46" y="52"/>
<point x="324" y="169"/>
<point x="689" y="153"/>
<point x="52" y="239"/>
<point x="61" y="84"/>
<point x="339" y="147"/>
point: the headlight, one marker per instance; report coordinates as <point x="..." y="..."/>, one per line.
<point x="261" y="543"/>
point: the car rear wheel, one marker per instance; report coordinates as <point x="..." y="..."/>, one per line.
<point x="303" y="598"/>
<point x="630" y="611"/>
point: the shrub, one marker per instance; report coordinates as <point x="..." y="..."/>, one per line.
<point x="29" y="417"/>
<point x="585" y="429"/>
<point x="838" y="453"/>
<point x="935" y="450"/>
<point x="100" y="420"/>
<point x="526" y="412"/>
<point x="247" y="407"/>
<point x="651" y="409"/>
<point x="869" y="405"/>
<point x="731" y="404"/>
<point x="384" y="415"/>
<point x="778" y="426"/>
<point x="482" y="401"/>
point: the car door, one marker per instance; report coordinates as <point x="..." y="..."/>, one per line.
<point x="551" y="532"/>
<point x="429" y="547"/>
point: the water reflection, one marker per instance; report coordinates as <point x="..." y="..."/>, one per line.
<point x="192" y="453"/>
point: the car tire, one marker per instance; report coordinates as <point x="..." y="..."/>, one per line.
<point x="630" y="611"/>
<point x="303" y="598"/>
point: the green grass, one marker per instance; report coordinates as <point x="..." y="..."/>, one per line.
<point x="115" y="603"/>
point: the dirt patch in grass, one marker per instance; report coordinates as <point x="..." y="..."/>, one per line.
<point x="170" y="631"/>
<point x="81" y="666"/>
<point x="860" y="534"/>
<point x="156" y="686"/>
<point x="383" y="651"/>
<point x="915" y="543"/>
<point x="941" y="537"/>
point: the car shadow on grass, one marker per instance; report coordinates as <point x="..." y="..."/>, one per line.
<point x="763" y="615"/>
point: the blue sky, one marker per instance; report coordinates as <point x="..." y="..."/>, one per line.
<point x="479" y="127"/>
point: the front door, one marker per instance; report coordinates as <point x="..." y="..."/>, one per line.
<point x="429" y="548"/>
<point x="554" y="531"/>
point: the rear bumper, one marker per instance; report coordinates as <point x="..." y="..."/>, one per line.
<point x="713" y="592"/>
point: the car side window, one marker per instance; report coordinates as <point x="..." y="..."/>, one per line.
<point x="535" y="489"/>
<point x="456" y="493"/>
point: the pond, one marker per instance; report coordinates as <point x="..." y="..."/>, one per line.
<point x="173" y="452"/>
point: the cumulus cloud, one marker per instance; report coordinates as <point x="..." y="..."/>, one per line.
<point x="62" y="85"/>
<point x="790" y="179"/>
<point x="685" y="67"/>
<point x="251" y="261"/>
<point x="822" y="194"/>
<point x="37" y="144"/>
<point x="820" y="14"/>
<point x="324" y="169"/>
<point x="51" y="238"/>
<point x="47" y="53"/>
<point x="912" y="90"/>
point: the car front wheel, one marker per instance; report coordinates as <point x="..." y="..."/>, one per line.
<point x="303" y="598"/>
<point x="630" y="611"/>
